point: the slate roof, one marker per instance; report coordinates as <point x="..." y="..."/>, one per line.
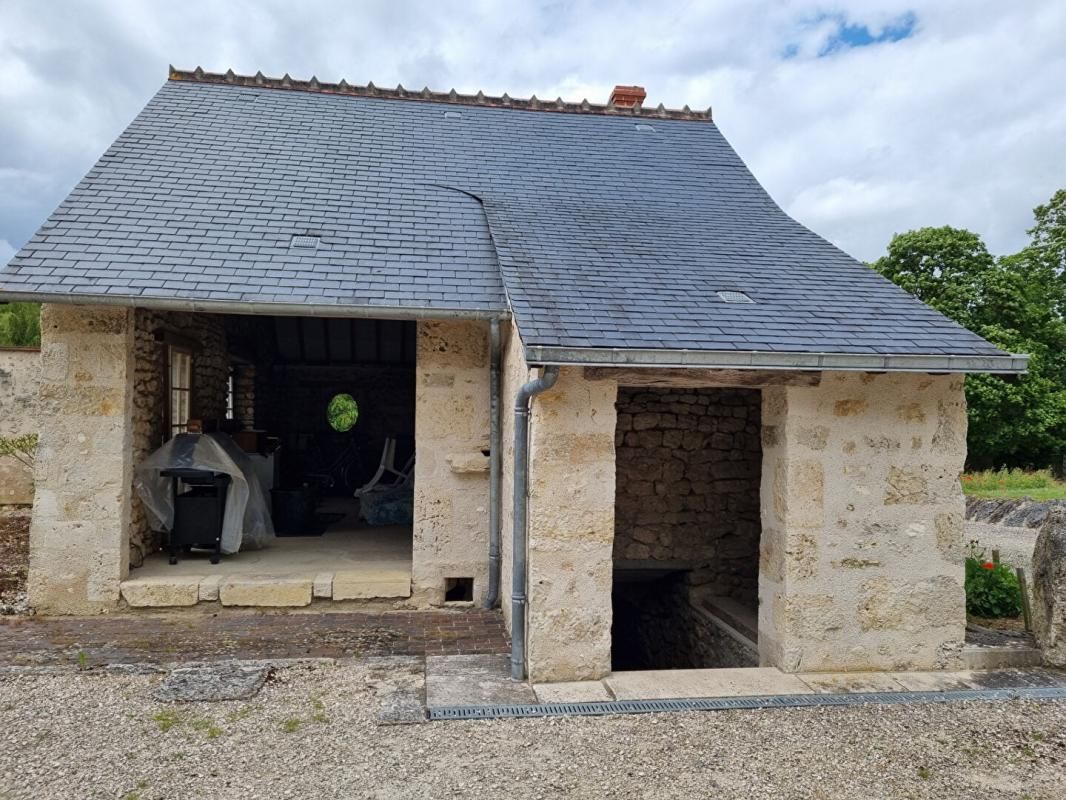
<point x="598" y="227"/>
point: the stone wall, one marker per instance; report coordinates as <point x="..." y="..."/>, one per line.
<point x="452" y="467"/>
<point x="571" y="519"/>
<point x="862" y="543"/>
<point x="20" y="369"/>
<point x="210" y="370"/>
<point x="688" y="466"/>
<point x="659" y="624"/>
<point x="571" y="528"/>
<point x="83" y="474"/>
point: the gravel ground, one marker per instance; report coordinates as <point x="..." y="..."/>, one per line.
<point x="312" y="732"/>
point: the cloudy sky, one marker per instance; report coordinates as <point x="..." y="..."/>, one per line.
<point x="861" y="118"/>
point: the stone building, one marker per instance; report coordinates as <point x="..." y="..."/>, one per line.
<point x="653" y="418"/>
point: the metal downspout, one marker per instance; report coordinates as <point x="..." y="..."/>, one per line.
<point x="521" y="514"/>
<point x="495" y="440"/>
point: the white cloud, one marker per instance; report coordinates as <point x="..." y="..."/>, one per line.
<point x="6" y="251"/>
<point x="961" y="123"/>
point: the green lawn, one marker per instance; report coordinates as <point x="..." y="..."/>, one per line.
<point x="1013" y="483"/>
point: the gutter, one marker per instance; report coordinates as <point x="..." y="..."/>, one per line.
<point x="256" y="308"/>
<point x="1006" y="364"/>
<point x="519" y="577"/>
<point x="493" y="595"/>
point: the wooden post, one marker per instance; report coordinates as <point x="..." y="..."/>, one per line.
<point x="1027" y="613"/>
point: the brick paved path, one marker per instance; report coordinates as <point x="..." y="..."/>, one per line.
<point x="161" y="638"/>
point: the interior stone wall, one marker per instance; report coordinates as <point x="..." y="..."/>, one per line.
<point x="20" y="373"/>
<point x="658" y="624"/>
<point x="83" y="472"/>
<point x="210" y="370"/>
<point x="688" y="465"/>
<point x="452" y="466"/>
<point x="862" y="544"/>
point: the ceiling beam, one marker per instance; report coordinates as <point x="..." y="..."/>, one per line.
<point x="698" y="378"/>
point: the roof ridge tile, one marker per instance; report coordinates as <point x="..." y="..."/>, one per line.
<point x="342" y="87"/>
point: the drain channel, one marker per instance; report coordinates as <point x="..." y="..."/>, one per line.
<point x="730" y="703"/>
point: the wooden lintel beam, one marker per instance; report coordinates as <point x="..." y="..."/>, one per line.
<point x="697" y="377"/>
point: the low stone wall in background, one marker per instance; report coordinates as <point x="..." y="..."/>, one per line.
<point x="20" y="375"/>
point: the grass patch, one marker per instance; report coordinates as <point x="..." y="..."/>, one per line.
<point x="319" y="713"/>
<point x="206" y="726"/>
<point x="166" y="719"/>
<point x="1013" y="483"/>
<point x="239" y="714"/>
<point x="291" y="725"/>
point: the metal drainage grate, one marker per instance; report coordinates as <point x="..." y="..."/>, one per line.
<point x="732" y="703"/>
<point x="304" y="242"/>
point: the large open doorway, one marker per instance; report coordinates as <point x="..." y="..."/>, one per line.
<point x="687" y="528"/>
<point x="325" y="410"/>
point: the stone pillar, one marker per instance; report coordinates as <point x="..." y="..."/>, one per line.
<point x="78" y="536"/>
<point x="1049" y="588"/>
<point x="571" y="529"/>
<point x="861" y="563"/>
<point x="452" y="465"/>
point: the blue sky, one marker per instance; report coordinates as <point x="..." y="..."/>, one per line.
<point x="861" y="119"/>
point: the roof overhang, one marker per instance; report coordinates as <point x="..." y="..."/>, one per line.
<point x="726" y="359"/>
<point x="253" y="307"/>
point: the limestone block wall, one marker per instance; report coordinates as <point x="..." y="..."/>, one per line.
<point x="571" y="528"/>
<point x="210" y="368"/>
<point x="861" y="562"/>
<point x="20" y="369"/>
<point x="452" y="465"/>
<point x="515" y="372"/>
<point x="78" y="552"/>
<point x="688" y="467"/>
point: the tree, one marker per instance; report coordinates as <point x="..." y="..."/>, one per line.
<point x="20" y="325"/>
<point x="942" y="267"/>
<point x="1048" y="235"/>
<point x="1016" y="303"/>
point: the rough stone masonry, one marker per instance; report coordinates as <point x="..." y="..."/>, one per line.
<point x="688" y="463"/>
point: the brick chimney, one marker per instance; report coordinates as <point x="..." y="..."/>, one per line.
<point x="627" y="96"/>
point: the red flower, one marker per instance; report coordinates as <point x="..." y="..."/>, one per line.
<point x="988" y="565"/>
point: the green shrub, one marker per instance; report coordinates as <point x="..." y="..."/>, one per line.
<point x="992" y="589"/>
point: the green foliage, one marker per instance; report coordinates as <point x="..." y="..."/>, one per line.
<point x="342" y="413"/>
<point x="22" y="448"/>
<point x="1016" y="302"/>
<point x="20" y="325"/>
<point x="942" y="267"/>
<point x="992" y="589"/>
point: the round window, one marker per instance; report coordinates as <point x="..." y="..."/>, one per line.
<point x="343" y="412"/>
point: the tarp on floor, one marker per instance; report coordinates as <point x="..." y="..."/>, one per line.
<point x="246" y="524"/>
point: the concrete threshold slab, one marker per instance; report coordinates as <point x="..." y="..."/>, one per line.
<point x="681" y="683"/>
<point x="473" y="680"/>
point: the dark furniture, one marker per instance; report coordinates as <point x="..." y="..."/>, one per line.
<point x="199" y="507"/>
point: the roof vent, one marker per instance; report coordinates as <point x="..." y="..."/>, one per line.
<point x="734" y="297"/>
<point x="453" y="114"/>
<point x="643" y="127"/>
<point x="304" y="242"/>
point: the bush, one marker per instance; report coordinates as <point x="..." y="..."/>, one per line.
<point x="992" y="589"/>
